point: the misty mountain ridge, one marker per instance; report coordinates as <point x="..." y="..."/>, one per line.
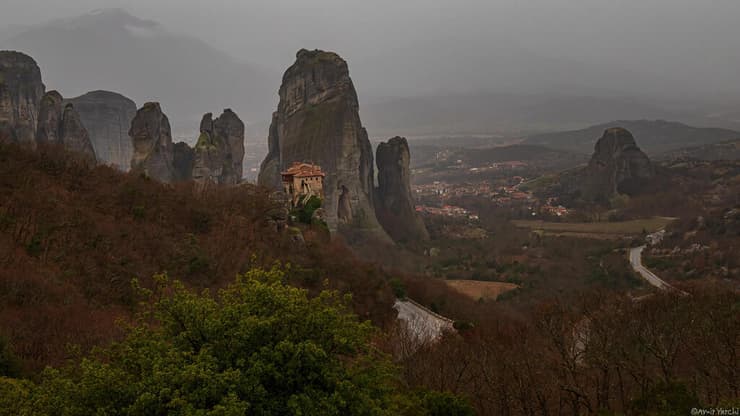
<point x="499" y="113"/>
<point x="655" y="136"/>
<point x="447" y="64"/>
<point x="414" y="88"/>
<point x="112" y="50"/>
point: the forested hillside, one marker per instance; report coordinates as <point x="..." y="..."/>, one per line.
<point x="73" y="237"/>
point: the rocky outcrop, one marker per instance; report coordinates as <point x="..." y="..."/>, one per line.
<point x="209" y="154"/>
<point x="153" y="151"/>
<point x="394" y="202"/>
<point x="62" y="126"/>
<point x="317" y="121"/>
<point x="107" y="117"/>
<point x="21" y="91"/>
<point x="50" y="119"/>
<point x="216" y="158"/>
<point x="219" y="151"/>
<point x="74" y="135"/>
<point x="231" y="129"/>
<point x="617" y="166"/>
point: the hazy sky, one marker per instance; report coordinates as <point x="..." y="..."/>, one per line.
<point x="695" y="43"/>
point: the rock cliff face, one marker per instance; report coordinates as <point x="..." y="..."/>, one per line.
<point x="50" y="119"/>
<point x="209" y="153"/>
<point x="63" y="126"/>
<point x="219" y="151"/>
<point x="229" y="127"/>
<point x="29" y="116"/>
<point x="107" y="117"/>
<point x="318" y="121"/>
<point x="617" y="166"/>
<point x="74" y="135"/>
<point x="21" y="91"/>
<point x="153" y="151"/>
<point x="216" y="158"/>
<point x="183" y="161"/>
<point x="394" y="202"/>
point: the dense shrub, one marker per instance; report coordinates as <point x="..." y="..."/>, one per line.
<point x="304" y="213"/>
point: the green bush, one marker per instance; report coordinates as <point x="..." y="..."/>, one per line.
<point x="399" y="289"/>
<point x="14" y="397"/>
<point x="304" y="213"/>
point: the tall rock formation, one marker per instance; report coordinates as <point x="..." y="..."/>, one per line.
<point x="216" y="158"/>
<point x="219" y="151"/>
<point x="317" y="121"/>
<point x="617" y="166"/>
<point x="61" y="125"/>
<point x="50" y="119"/>
<point x="107" y="117"/>
<point x="151" y="136"/>
<point x="74" y="135"/>
<point x="21" y="91"/>
<point x="209" y="153"/>
<point x="394" y="202"/>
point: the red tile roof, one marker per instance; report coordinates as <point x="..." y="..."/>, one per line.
<point x="302" y="170"/>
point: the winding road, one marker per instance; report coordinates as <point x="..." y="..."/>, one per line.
<point x="425" y="325"/>
<point x="636" y="261"/>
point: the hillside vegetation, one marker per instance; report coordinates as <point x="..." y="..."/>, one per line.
<point x="258" y="347"/>
<point x="72" y="238"/>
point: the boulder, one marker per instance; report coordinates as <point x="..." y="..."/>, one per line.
<point x="21" y="91"/>
<point x="318" y="121"/>
<point x="394" y="202"/>
<point x="151" y="137"/>
<point x="107" y="117"/>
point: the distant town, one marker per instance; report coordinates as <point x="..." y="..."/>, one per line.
<point x="435" y="197"/>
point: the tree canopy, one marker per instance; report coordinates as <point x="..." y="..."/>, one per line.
<point x="257" y="347"/>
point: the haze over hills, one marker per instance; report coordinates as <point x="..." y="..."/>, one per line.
<point x="727" y="150"/>
<point x="113" y="50"/>
<point x="505" y="114"/>
<point x="655" y="136"/>
<point x="417" y="87"/>
<point x="552" y="158"/>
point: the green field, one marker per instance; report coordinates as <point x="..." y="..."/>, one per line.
<point x="597" y="228"/>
